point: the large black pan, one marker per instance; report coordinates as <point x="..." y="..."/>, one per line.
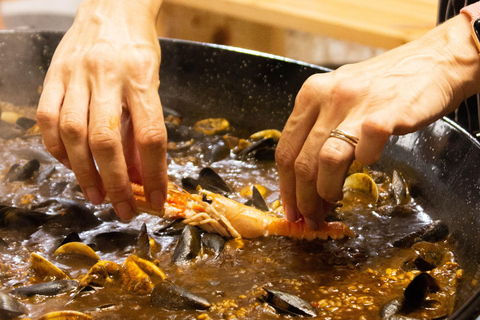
<point x="256" y="91"/>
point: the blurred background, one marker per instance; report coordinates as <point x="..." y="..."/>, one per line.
<point x="324" y="32"/>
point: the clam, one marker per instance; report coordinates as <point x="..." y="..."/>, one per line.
<point x="188" y="245"/>
<point x="10" y="116"/>
<point x="362" y="188"/>
<point x="77" y="248"/>
<point x="50" y="288"/>
<point x="10" y="308"/>
<point x="44" y="268"/>
<point x="138" y="275"/>
<point x="289" y="303"/>
<point x="172" y="297"/>
<point x="65" y="315"/>
<point x="212" y="126"/>
<point x="103" y="271"/>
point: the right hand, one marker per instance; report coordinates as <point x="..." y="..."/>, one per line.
<point x="99" y="112"/>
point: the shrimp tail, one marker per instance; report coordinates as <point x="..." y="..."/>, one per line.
<point x="299" y="230"/>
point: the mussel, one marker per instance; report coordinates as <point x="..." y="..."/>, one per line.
<point x="22" y="173"/>
<point x="433" y="232"/>
<point x="50" y="288"/>
<point x="188" y="245"/>
<point x="10" y="308"/>
<point x="207" y="179"/>
<point x="289" y="303"/>
<point x="172" y="297"/>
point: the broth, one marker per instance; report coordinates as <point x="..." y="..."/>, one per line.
<point x="352" y="278"/>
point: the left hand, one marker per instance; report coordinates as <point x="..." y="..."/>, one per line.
<point x="395" y="93"/>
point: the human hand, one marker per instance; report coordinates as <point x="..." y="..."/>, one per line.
<point x="395" y="93"/>
<point x="99" y="112"/>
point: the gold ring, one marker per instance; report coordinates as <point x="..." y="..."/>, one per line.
<point x="342" y="135"/>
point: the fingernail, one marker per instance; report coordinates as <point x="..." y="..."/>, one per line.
<point x="312" y="224"/>
<point x="290" y="214"/>
<point x="157" y="199"/>
<point x="94" y="195"/>
<point x="124" y="210"/>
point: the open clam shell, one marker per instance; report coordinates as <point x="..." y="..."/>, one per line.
<point x="360" y="187"/>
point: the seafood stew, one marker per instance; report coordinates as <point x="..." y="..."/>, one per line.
<point x="61" y="254"/>
<point x="443" y="180"/>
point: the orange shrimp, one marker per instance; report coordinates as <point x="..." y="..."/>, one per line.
<point x="231" y="218"/>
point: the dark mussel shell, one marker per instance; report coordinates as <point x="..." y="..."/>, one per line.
<point x="413" y="298"/>
<point x="217" y="152"/>
<point x="22" y="173"/>
<point x="257" y="200"/>
<point x="255" y="147"/>
<point x="46" y="173"/>
<point x="188" y="245"/>
<point x="172" y="297"/>
<point x="73" y="216"/>
<point x="51" y="288"/>
<point x="213" y="241"/>
<point x="400" y="189"/>
<point x="208" y="179"/>
<point x="115" y="240"/>
<point x="142" y="249"/>
<point x="19" y="218"/>
<point x="289" y="303"/>
<point x="173" y="228"/>
<point x="10" y="308"/>
<point x="433" y="232"/>
<point x="3" y="244"/>
<point x="25" y="123"/>
<point x="9" y="130"/>
<point x="428" y="256"/>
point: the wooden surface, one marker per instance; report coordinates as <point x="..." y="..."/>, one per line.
<point x="378" y="23"/>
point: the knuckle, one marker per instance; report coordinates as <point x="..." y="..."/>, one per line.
<point x="102" y="139"/>
<point x="284" y="156"/>
<point x="330" y="157"/>
<point x="151" y="136"/>
<point x="45" y="118"/>
<point x="118" y="191"/>
<point x="305" y="169"/>
<point x="98" y="59"/>
<point x="71" y="128"/>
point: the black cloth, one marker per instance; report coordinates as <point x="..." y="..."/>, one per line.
<point x="467" y="115"/>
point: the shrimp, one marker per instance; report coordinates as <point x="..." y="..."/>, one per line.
<point x="216" y="213"/>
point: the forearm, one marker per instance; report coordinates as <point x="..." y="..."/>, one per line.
<point x="458" y="57"/>
<point x="134" y="16"/>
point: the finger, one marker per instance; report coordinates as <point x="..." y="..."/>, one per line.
<point x="130" y="151"/>
<point x="293" y="136"/>
<point x="334" y="160"/>
<point x="374" y="135"/>
<point x="74" y="134"/>
<point x="151" y="141"/>
<point x="106" y="146"/>
<point x="309" y="202"/>
<point x="48" y="113"/>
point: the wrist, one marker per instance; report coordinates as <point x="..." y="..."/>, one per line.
<point x="139" y="10"/>
<point x="459" y="57"/>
